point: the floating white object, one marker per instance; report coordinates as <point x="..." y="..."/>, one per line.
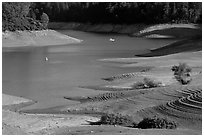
<point x="46" y="59"/>
<point x="112" y="39"/>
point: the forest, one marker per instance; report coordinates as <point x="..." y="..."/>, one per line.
<point x="36" y="15"/>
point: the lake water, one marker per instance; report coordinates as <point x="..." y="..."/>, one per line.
<point x="26" y="73"/>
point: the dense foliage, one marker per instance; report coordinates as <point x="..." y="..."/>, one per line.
<point x="160" y="123"/>
<point x="20" y="16"/>
<point x="35" y="15"/>
<point x="115" y="119"/>
<point x="123" y="12"/>
<point x="182" y="73"/>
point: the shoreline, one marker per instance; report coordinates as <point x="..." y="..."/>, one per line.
<point x="51" y="37"/>
<point x="36" y="39"/>
<point x="157" y="31"/>
<point x="15" y="122"/>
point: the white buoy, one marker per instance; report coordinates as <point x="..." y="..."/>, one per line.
<point x="112" y="39"/>
<point x="46" y="59"/>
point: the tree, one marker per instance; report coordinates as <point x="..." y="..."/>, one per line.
<point x="12" y="10"/>
<point x="44" y="20"/>
<point x="15" y="16"/>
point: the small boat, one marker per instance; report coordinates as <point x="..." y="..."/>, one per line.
<point x="46" y="59"/>
<point x="112" y="39"/>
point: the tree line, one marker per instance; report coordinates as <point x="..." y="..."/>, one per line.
<point x="35" y="15"/>
<point x="123" y="12"/>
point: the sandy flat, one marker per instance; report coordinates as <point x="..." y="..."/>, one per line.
<point x="10" y="100"/>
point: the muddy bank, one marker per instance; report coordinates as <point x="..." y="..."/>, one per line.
<point x="137" y="30"/>
<point x="98" y="28"/>
<point x="35" y="38"/>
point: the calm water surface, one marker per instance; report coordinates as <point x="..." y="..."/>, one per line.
<point x="26" y="73"/>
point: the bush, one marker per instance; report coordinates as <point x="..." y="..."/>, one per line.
<point x="150" y="83"/>
<point x="147" y="83"/>
<point x="160" y="123"/>
<point x="182" y="73"/>
<point x="112" y="119"/>
<point x="138" y="85"/>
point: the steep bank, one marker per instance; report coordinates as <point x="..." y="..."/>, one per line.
<point x="35" y="38"/>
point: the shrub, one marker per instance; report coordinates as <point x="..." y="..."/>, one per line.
<point x="112" y="119"/>
<point x="138" y="85"/>
<point x="182" y="73"/>
<point x="147" y="83"/>
<point x="155" y="122"/>
<point x="150" y="83"/>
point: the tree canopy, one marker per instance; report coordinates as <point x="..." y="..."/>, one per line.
<point x="28" y="15"/>
<point x="123" y="12"/>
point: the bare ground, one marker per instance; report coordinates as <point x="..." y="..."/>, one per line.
<point x="15" y="122"/>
